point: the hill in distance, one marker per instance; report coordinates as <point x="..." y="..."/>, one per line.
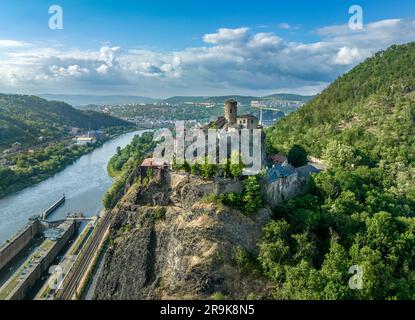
<point x="246" y="100"/>
<point x="288" y="96"/>
<point x="25" y="118"/>
<point x="83" y="100"/>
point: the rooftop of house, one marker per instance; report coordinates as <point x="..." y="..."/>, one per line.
<point x="85" y="138"/>
<point x="277" y="172"/>
<point x="277" y="158"/>
<point x="306" y="170"/>
<point x="286" y="170"/>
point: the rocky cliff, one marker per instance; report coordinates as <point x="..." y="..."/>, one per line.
<point x="167" y="243"/>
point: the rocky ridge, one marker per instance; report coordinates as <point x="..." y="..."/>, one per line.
<point x="167" y="242"/>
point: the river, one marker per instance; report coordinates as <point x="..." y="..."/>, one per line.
<point x="84" y="183"/>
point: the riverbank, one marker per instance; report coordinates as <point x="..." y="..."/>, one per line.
<point x="35" y="167"/>
<point x="24" y="181"/>
<point x="84" y="183"/>
<point x="123" y="166"/>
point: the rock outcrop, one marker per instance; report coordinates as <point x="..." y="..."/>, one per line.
<point x="168" y="243"/>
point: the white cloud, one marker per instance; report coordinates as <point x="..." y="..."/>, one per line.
<point x="225" y="35"/>
<point x="284" y="25"/>
<point x="264" y="40"/>
<point x="13" y="44"/>
<point x="238" y="61"/>
<point x="70" y="71"/>
<point x="347" y="56"/>
<point x="107" y="55"/>
<point x="102" y="69"/>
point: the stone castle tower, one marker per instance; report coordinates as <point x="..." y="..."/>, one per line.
<point x="231" y="111"/>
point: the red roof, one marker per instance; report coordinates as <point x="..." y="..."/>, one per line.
<point x="154" y="162"/>
<point x="278" y="158"/>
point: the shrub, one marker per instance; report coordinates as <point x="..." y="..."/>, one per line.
<point x="195" y="169"/>
<point x="213" y="199"/>
<point x="219" y="296"/>
<point x="208" y="170"/>
<point x="160" y="213"/>
<point x="244" y="260"/>
<point x="233" y="199"/>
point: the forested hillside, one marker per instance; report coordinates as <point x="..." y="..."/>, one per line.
<point x="371" y="108"/>
<point x="358" y="215"/>
<point x="26" y="118"/>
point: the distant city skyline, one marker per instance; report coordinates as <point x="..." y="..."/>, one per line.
<point x="165" y="48"/>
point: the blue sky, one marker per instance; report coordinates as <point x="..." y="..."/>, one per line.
<point x="163" y="48"/>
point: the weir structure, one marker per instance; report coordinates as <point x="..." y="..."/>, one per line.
<point x="52" y="208"/>
<point x="36" y="225"/>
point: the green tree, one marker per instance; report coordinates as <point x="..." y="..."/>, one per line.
<point x="335" y="272"/>
<point x="297" y="156"/>
<point x="303" y="282"/>
<point x="208" y="170"/>
<point x="337" y="154"/>
<point x="225" y="168"/>
<point x="186" y="167"/>
<point x="236" y="165"/>
<point x="252" y="196"/>
<point x="274" y="249"/>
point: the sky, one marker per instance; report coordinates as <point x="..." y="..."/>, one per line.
<point x="161" y="48"/>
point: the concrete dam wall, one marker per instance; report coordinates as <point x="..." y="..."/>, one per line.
<point x="20" y="240"/>
<point x="23" y="280"/>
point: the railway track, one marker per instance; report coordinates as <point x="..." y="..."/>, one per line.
<point x="75" y="275"/>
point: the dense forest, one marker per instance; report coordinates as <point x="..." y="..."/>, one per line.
<point x="359" y="214"/>
<point x="27" y="118"/>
